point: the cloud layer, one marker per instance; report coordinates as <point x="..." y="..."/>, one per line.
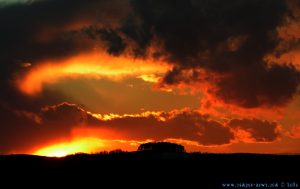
<point x="228" y="40"/>
<point x="58" y="122"/>
<point x="243" y="53"/>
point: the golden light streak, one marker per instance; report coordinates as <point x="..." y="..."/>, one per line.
<point x="159" y="115"/>
<point x="95" y="65"/>
<point x="107" y="117"/>
<point x="150" y="78"/>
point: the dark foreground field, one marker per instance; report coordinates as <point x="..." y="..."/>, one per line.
<point x="158" y="169"/>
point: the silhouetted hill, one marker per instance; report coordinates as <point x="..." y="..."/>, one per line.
<point x="156" y="162"/>
<point x="209" y="170"/>
<point x="161" y="147"/>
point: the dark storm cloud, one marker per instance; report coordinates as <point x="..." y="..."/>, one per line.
<point x="255" y="87"/>
<point x="21" y="131"/>
<point x="45" y="29"/>
<point x="190" y="125"/>
<point x="11" y="97"/>
<point x="26" y="130"/>
<point x="63" y="115"/>
<point x="114" y="43"/>
<point x="228" y="38"/>
<point x="189" y="28"/>
<point x="260" y="131"/>
<point x="29" y="129"/>
<point x="186" y="125"/>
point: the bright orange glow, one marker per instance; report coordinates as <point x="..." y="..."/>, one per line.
<point x="295" y="132"/>
<point x="95" y="65"/>
<point x="86" y="145"/>
<point x="106" y="117"/>
<point x="150" y="78"/>
<point x="243" y="135"/>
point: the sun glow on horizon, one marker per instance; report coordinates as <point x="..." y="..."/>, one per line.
<point x="86" y="145"/>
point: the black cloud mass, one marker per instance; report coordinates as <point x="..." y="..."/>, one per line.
<point x="229" y="38"/>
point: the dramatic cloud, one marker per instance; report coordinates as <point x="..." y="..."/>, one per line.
<point x="47" y="29"/>
<point x="229" y="39"/>
<point x="61" y="121"/>
<point x="63" y="116"/>
<point x="23" y="131"/>
<point x="255" y="130"/>
<point x="94" y="65"/>
<point x="295" y="132"/>
<point x="255" y="87"/>
<point x="186" y="125"/>
<point x="33" y="32"/>
<point x="58" y="121"/>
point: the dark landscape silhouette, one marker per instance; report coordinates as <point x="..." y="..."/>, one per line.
<point x="156" y="160"/>
<point x="161" y="147"/>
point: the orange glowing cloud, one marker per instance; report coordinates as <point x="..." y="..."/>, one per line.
<point x="95" y="65"/>
<point x="295" y="132"/>
<point x="152" y="78"/>
<point x="107" y="117"/>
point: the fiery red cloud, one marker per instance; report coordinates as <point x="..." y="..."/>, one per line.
<point x="94" y="65"/>
<point x="77" y="130"/>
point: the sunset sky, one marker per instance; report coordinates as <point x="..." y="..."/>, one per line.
<point x="87" y="76"/>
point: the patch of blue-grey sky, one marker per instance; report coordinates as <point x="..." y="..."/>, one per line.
<point x="13" y="2"/>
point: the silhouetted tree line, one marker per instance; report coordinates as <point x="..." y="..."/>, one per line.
<point x="161" y="147"/>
